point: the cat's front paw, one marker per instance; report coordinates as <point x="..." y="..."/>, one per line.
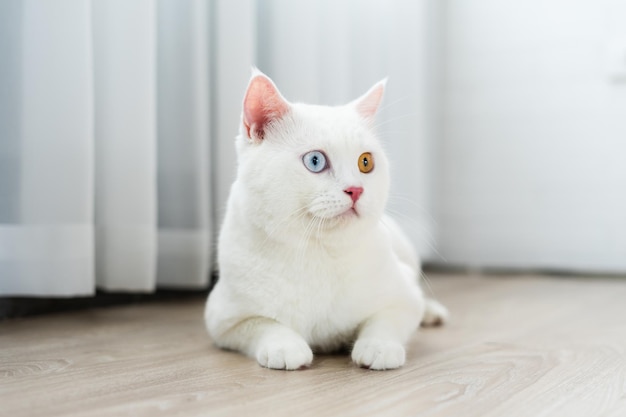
<point x="288" y="354"/>
<point x="378" y="354"/>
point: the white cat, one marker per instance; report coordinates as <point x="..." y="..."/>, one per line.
<point x="307" y="260"/>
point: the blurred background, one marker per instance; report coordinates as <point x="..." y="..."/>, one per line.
<point x="505" y="122"/>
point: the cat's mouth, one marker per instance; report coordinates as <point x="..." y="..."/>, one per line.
<point x="348" y="214"/>
<point x="351" y="212"/>
<point x="334" y="212"/>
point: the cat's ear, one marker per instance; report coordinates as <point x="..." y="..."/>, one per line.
<point x="367" y="105"/>
<point x="262" y="105"/>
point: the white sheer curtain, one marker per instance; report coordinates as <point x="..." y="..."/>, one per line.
<point x="117" y="121"/>
<point x="105" y="159"/>
<point x="46" y="148"/>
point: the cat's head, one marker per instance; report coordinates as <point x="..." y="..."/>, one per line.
<point x="313" y="168"/>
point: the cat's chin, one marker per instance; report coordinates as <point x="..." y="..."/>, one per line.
<point x="342" y="219"/>
<point x="349" y="214"/>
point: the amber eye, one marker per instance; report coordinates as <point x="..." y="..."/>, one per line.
<point x="366" y="162"/>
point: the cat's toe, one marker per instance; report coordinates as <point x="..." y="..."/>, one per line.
<point x="435" y="314"/>
<point x="378" y="354"/>
<point x="288" y="355"/>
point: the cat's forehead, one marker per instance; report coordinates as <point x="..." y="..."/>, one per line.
<point x="331" y="126"/>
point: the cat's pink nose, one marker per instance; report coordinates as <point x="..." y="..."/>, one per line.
<point x="354" y="193"/>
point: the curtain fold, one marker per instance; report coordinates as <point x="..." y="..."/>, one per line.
<point x="117" y="122"/>
<point x="46" y="148"/>
<point x="124" y="58"/>
<point x="105" y="156"/>
<point x="184" y="232"/>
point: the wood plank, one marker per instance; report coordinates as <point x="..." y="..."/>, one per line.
<point x="516" y="346"/>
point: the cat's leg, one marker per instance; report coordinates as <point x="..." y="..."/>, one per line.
<point x="381" y="339"/>
<point x="435" y="313"/>
<point x="274" y="345"/>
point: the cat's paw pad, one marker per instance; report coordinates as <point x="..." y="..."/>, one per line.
<point x="378" y="354"/>
<point x="435" y="314"/>
<point x="285" y="354"/>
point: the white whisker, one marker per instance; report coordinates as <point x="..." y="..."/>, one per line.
<point x="420" y="229"/>
<point x="407" y="199"/>
<point x="427" y="283"/>
<point x="392" y="120"/>
<point x="304" y="241"/>
<point x="386" y="106"/>
<point x="286" y="223"/>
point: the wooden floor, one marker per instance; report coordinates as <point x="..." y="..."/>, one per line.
<point x="516" y="346"/>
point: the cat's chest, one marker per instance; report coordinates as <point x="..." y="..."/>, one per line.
<point x="323" y="293"/>
<point x="322" y="289"/>
<point x="317" y="268"/>
<point x="321" y="304"/>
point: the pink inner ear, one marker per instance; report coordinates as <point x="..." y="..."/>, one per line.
<point x="261" y="105"/>
<point x="367" y="105"/>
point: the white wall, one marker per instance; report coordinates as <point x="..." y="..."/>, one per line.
<point x="532" y="169"/>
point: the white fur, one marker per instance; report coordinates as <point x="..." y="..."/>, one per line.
<point x="298" y="270"/>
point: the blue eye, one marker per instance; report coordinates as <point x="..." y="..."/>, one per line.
<point x="315" y="161"/>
